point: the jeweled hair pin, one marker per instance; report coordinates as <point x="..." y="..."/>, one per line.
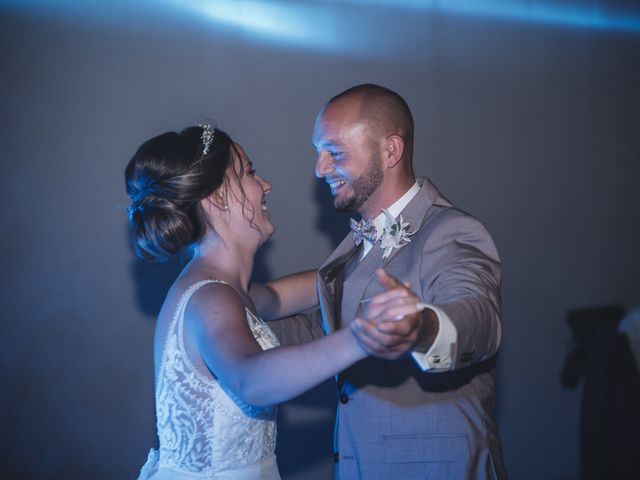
<point x="206" y="137"/>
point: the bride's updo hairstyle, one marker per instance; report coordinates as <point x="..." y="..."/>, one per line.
<point x="166" y="179"/>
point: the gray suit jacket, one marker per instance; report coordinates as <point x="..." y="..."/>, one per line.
<point x="395" y="420"/>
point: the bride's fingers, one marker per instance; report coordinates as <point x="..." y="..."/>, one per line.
<point x="371" y="340"/>
<point x="395" y="309"/>
<point x="389" y="295"/>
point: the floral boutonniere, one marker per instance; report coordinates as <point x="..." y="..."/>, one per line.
<point x="395" y="234"/>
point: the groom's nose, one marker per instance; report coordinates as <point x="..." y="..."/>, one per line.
<point x="324" y="164"/>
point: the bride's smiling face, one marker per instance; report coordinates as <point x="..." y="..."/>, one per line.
<point x="248" y="195"/>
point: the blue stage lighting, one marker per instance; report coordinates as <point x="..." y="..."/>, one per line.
<point x="353" y="27"/>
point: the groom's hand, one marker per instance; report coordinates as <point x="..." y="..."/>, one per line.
<point x="395" y="321"/>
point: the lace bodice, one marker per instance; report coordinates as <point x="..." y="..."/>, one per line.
<point x="202" y="427"/>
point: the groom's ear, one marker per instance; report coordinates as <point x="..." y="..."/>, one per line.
<point x="393" y="150"/>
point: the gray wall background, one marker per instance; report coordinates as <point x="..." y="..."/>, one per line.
<point x="532" y="127"/>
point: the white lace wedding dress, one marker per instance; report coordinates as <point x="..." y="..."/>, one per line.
<point x="205" y="432"/>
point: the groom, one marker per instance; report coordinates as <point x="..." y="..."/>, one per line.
<point x="423" y="405"/>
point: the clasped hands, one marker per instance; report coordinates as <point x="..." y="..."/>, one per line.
<point x="395" y="321"/>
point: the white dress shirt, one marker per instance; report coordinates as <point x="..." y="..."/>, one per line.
<point x="438" y="357"/>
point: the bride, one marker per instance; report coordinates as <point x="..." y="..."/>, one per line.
<point x="218" y="369"/>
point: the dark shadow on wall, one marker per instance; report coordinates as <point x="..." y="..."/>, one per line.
<point x="329" y="221"/>
<point x="610" y="409"/>
<point x="303" y="442"/>
<point x="153" y="279"/>
<point x="152" y="282"/>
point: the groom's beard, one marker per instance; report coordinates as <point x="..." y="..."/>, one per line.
<point x="363" y="186"/>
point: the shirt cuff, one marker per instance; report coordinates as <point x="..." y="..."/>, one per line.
<point x="440" y="356"/>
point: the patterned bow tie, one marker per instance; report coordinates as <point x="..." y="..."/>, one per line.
<point x="364" y="229"/>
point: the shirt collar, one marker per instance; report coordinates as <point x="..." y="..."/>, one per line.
<point x="395" y="209"/>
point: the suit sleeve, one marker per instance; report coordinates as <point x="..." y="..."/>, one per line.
<point x="460" y="276"/>
<point x="299" y="328"/>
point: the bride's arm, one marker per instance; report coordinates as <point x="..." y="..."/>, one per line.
<point x="285" y="296"/>
<point x="216" y="320"/>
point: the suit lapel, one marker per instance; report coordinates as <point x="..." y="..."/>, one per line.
<point x="356" y="284"/>
<point x="416" y="211"/>
<point x="330" y="282"/>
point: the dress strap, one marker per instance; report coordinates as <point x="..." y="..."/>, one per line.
<point x="178" y="316"/>
<point x="175" y="327"/>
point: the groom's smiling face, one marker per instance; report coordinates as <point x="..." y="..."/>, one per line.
<point x="348" y="156"/>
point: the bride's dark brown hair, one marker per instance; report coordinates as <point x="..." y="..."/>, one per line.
<point x="167" y="178"/>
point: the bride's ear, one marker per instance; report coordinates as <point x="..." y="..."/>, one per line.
<point x="215" y="200"/>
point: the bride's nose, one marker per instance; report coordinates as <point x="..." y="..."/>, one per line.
<point x="266" y="186"/>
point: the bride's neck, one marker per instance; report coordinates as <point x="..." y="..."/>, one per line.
<point x="228" y="261"/>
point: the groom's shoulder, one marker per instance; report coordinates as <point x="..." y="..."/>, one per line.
<point x="446" y="221"/>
